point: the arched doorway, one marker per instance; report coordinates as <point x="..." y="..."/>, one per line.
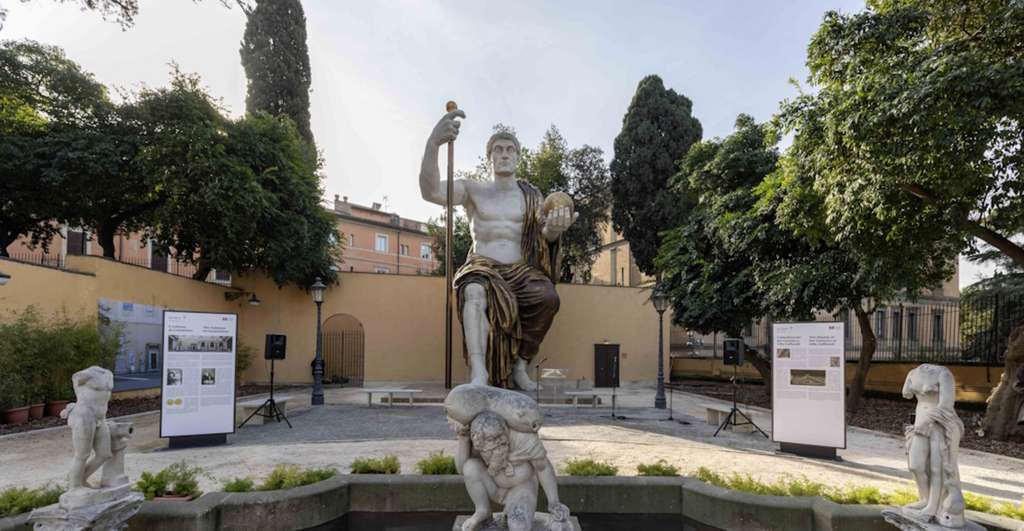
<point x="343" y="344"/>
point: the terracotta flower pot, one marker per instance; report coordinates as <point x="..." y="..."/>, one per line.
<point x="35" y="411"/>
<point x="54" y="407"/>
<point x="14" y="416"/>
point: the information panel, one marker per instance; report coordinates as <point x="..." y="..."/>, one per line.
<point x="198" y="373"/>
<point x="808" y="384"/>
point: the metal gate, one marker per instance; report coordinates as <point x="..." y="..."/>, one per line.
<point x="343" y="356"/>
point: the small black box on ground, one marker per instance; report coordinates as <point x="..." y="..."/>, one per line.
<point x="276" y="347"/>
<point x="732" y="351"/>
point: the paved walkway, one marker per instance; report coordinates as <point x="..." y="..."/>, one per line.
<point x="345" y="429"/>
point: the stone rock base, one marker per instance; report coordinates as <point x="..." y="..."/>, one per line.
<point x="93" y="509"/>
<point x="906" y="523"/>
<point x="541" y="522"/>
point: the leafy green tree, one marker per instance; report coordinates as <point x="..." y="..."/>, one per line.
<point x="276" y="61"/>
<point x="462" y="241"/>
<point x="581" y="173"/>
<point x="657" y="131"/>
<point x="916" y="125"/>
<point x="40" y="91"/>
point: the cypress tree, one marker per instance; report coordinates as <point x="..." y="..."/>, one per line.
<point x="276" y="62"/>
<point x="657" y="132"/>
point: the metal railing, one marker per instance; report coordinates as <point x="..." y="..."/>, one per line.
<point x="54" y="261"/>
<point x="972" y="330"/>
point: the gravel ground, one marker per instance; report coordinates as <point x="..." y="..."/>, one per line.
<point x="876" y="413"/>
<point x="345" y="429"/>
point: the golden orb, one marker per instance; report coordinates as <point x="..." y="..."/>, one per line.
<point x="556" y="200"/>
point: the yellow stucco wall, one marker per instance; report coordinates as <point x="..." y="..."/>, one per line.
<point x="402" y="315"/>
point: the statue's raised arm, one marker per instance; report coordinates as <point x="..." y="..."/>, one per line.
<point x="431" y="186"/>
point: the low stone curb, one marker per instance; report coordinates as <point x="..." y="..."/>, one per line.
<point x="330" y="500"/>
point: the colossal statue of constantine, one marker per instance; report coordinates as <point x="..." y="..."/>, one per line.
<point x="506" y="289"/>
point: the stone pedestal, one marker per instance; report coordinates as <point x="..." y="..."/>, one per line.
<point x="904" y="522"/>
<point x="541" y="522"/>
<point x="85" y="508"/>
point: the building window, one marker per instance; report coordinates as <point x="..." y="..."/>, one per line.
<point x="937" y="332"/>
<point x="880" y="324"/>
<point x="748" y="329"/>
<point x="351" y="240"/>
<point x="221" y="276"/>
<point x="382" y="243"/>
<point x="381" y="269"/>
<point x="425" y="251"/>
<point x="897" y="323"/>
<point x="403" y="249"/>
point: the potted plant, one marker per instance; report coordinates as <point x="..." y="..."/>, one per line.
<point x="12" y="400"/>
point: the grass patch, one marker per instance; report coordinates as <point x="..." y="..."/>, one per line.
<point x="291" y="476"/>
<point x="437" y="464"/>
<point x="589" y="467"/>
<point x="245" y="484"/>
<point x="385" y="465"/>
<point x="660" y="468"/>
<point x="848" y="495"/>
<point x="17" y="500"/>
<point x="178" y="479"/>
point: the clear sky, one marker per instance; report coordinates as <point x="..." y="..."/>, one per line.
<point x="382" y="70"/>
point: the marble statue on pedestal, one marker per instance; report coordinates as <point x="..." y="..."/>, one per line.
<point x="932" y="444"/>
<point x="502" y="460"/>
<point x="506" y="289"/>
<point x="98" y="444"/>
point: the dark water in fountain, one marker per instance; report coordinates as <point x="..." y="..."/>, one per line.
<point x="441" y="521"/>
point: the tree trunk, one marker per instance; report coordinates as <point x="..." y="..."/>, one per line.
<point x="4" y="243"/>
<point x="867" y="351"/>
<point x="105" y="238"/>
<point x="1001" y="414"/>
<point x="203" y="269"/>
<point x="764" y="368"/>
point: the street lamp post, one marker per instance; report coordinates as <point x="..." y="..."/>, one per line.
<point x="317" y="289"/>
<point x="660" y="300"/>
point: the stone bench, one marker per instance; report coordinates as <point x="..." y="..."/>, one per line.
<point x="391" y="392"/>
<point x="249" y="406"/>
<point x="593" y="394"/>
<point x="716" y="416"/>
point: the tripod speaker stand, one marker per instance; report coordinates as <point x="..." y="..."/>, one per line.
<point x="734" y="416"/>
<point x="275" y="350"/>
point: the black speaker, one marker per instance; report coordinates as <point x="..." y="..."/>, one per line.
<point x="732" y="351"/>
<point x="275" y="347"/>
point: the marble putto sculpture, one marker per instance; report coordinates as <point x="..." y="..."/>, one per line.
<point x="98" y="444"/>
<point x="502" y="459"/>
<point x="932" y="443"/>
<point x="506" y="289"/>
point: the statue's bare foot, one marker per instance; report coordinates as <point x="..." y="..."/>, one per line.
<point x="522" y="379"/>
<point x="476" y="521"/>
<point x="919" y="504"/>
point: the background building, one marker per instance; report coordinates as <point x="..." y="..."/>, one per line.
<point x="376" y="241"/>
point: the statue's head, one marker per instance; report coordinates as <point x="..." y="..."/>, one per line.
<point x="503" y="153"/>
<point x="489" y="436"/>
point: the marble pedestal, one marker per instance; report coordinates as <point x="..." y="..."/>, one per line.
<point x="93" y="509"/>
<point x="541" y="522"/>
<point x="906" y="523"/>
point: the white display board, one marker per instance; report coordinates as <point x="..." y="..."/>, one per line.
<point x="808" y="384"/>
<point x="198" y="373"/>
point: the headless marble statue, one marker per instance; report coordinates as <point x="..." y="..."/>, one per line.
<point x="506" y="293"/>
<point x="933" y="442"/>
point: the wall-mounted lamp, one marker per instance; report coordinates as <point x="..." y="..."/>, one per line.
<point x="4" y="277"/>
<point x="235" y="295"/>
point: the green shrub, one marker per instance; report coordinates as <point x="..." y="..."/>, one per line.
<point x="38" y="356"/>
<point x="17" y="500"/>
<point x="245" y="484"/>
<point x="848" y="495"/>
<point x="437" y="464"/>
<point x="660" y="468"/>
<point x="178" y="479"/>
<point x="589" y="467"/>
<point x="291" y="476"/>
<point x="385" y="465"/>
